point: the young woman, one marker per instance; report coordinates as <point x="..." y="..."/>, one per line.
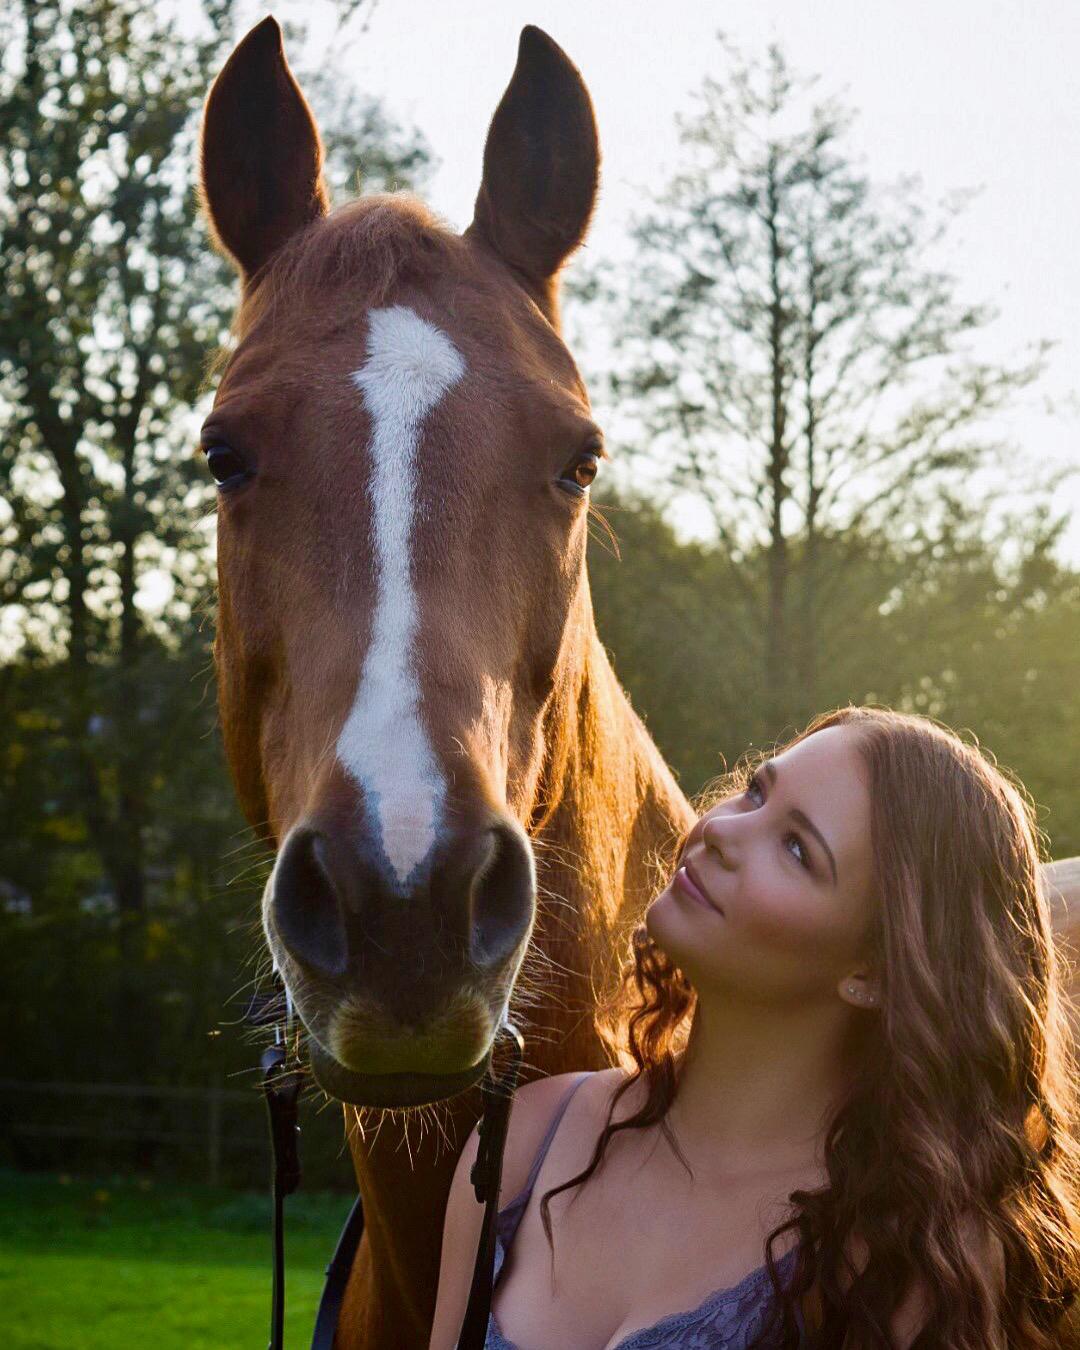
<point x="847" y="1120"/>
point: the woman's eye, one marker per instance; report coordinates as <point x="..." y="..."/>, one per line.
<point x="803" y="859"/>
<point x="580" y="474"/>
<point x="803" y="856"/>
<point x="753" y="791"/>
<point x="226" y="465"/>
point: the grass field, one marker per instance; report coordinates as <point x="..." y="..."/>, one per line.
<point x="109" y="1265"/>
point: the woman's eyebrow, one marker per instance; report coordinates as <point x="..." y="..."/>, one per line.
<point x="769" y="770"/>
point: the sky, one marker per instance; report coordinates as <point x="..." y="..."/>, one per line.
<point x="980" y="94"/>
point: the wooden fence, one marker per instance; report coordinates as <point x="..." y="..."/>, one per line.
<point x="134" y="1123"/>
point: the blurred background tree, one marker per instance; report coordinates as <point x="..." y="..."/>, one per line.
<point x="956" y="631"/>
<point x="789" y="363"/>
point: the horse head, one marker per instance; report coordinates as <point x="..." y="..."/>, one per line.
<point x="403" y="447"/>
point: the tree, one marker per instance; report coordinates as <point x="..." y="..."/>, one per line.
<point x="982" y="636"/>
<point x="111" y="301"/>
<point x="787" y="356"/>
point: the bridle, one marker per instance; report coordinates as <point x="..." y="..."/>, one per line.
<point x="282" y="1079"/>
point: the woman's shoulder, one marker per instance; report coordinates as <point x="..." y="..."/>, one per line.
<point x="531" y="1114"/>
<point x="534" y="1109"/>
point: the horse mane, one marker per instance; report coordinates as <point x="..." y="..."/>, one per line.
<point x="371" y="245"/>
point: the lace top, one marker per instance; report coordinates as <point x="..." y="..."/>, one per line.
<point x="728" y="1319"/>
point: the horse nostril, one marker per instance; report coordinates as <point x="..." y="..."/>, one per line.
<point x="306" y="908"/>
<point x="502" y="898"/>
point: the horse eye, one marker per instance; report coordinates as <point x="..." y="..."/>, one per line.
<point x="581" y="472"/>
<point x="228" y="468"/>
<point x="585" y="470"/>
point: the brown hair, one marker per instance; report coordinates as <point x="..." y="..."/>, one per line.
<point x="962" y="1113"/>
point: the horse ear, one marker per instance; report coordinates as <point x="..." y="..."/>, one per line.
<point x="260" y="153"/>
<point x="541" y="167"/>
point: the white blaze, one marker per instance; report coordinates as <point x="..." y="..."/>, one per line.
<point x="383" y="745"/>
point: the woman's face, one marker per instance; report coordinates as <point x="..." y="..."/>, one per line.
<point x="772" y="896"/>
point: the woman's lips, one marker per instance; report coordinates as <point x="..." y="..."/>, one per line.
<point x="689" y="885"/>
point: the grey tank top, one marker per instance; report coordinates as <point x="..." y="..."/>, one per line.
<point x="729" y="1319"/>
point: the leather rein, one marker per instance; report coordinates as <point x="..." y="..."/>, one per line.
<point x="282" y="1079"/>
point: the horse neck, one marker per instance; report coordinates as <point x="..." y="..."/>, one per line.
<point x="607" y="816"/>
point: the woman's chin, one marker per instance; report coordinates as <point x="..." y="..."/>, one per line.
<point x="676" y="924"/>
<point x="665" y="919"/>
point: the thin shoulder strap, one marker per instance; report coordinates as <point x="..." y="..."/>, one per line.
<point x="553" y="1125"/>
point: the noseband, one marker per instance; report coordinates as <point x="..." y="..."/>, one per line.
<point x="282" y="1078"/>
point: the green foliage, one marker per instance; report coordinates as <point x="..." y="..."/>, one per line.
<point x="790" y="365"/>
<point x="940" y="625"/>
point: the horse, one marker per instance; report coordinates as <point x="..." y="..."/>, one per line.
<point x="418" y="715"/>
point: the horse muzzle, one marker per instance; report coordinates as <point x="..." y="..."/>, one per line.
<point x="401" y="990"/>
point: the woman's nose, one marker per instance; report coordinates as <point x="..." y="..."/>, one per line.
<point x="717" y="838"/>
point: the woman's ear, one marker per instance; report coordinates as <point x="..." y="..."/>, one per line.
<point x="861" y="989"/>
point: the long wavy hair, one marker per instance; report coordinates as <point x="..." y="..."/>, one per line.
<point x="962" y="1113"/>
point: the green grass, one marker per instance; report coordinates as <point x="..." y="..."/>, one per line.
<point x="115" y="1264"/>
